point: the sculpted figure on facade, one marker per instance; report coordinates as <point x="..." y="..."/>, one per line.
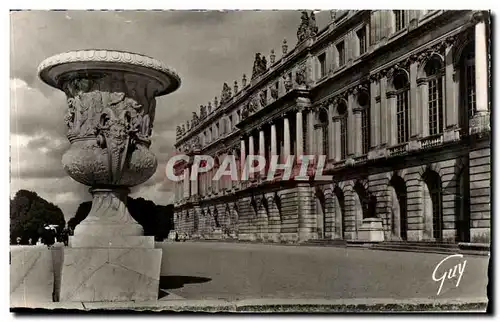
<point x="300" y="75"/>
<point x="226" y="94"/>
<point x="216" y="103"/>
<point x="195" y="120"/>
<point x="313" y="27"/>
<point x="256" y="66"/>
<point x="284" y="47"/>
<point x="183" y="130"/>
<point x="178" y="131"/>
<point x="307" y="27"/>
<point x="274" y="92"/>
<point x="209" y="107"/>
<point x="263" y="98"/>
<point x="235" y="87"/>
<point x="303" y="30"/>
<point x="244" y="80"/>
<point x="263" y="65"/>
<point x="203" y="112"/>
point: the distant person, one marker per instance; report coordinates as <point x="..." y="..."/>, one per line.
<point x="18" y="240"/>
<point x="30" y="241"/>
<point x="39" y="242"/>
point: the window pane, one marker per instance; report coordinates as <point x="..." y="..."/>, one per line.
<point x="435" y="106"/>
<point x="402" y="116"/>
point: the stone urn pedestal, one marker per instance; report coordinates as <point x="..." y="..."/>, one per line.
<point x="111" y="98"/>
<point x="371" y="230"/>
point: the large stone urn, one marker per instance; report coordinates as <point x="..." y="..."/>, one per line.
<point x="111" y="98"/>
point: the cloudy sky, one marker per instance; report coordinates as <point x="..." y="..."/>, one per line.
<point x="205" y="48"/>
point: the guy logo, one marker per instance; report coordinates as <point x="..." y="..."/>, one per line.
<point x="449" y="274"/>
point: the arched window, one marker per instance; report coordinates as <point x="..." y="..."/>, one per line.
<point x="342" y="111"/>
<point x="434" y="72"/>
<point x="340" y="207"/>
<point x="402" y="88"/>
<point x="364" y="104"/>
<point x="434" y="186"/>
<point x="399" y="207"/>
<point x="323" y="122"/>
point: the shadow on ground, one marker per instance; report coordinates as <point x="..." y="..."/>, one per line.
<point x="171" y="282"/>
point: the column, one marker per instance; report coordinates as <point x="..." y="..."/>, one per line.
<point x="338" y="144"/>
<point x="331" y="135"/>
<point x="250" y="151"/>
<point x="392" y="138"/>
<point x="310" y="132"/>
<point x="286" y="139"/>
<point x="299" y="135"/>
<point x="357" y="130"/>
<point x="242" y="154"/>
<point x="481" y="53"/>
<point x="374" y="115"/>
<point x="194" y="186"/>
<point x="274" y="148"/>
<point x="352" y="133"/>
<point x="383" y="111"/>
<point x="233" y="182"/>
<point x="186" y="183"/>
<point x="415" y="109"/>
<point x="423" y="99"/>
<point x="451" y="114"/>
<point x="262" y="149"/>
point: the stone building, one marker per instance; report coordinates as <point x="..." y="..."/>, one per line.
<point x="398" y="101"/>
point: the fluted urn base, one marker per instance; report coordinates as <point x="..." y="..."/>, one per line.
<point x="109" y="215"/>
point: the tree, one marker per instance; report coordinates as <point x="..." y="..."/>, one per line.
<point x="29" y="214"/>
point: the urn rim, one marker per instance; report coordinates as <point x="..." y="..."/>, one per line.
<point x="53" y="68"/>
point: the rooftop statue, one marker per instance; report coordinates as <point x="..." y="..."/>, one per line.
<point x="226" y="94"/>
<point x="256" y="66"/>
<point x="203" y="112"/>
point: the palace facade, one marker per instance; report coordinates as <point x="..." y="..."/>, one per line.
<point x="397" y="101"/>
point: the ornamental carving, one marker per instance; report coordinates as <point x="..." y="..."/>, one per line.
<point x="307" y="27"/>
<point x="259" y="66"/>
<point x="274" y="92"/>
<point x="226" y="94"/>
<point x="288" y="82"/>
<point x="301" y="75"/>
<point x="203" y="112"/>
<point x="195" y="120"/>
<point x="263" y="98"/>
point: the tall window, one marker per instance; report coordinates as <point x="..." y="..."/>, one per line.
<point x="401" y="18"/>
<point x="364" y="103"/>
<point x="402" y="87"/>
<point x="341" y="53"/>
<point x="322" y="64"/>
<point x="361" y="33"/>
<point x="342" y="110"/>
<point x="470" y="81"/>
<point x="323" y="120"/>
<point x="435" y="78"/>
<point x="230" y="123"/>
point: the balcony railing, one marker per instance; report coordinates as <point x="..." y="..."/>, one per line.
<point x="398" y="149"/>
<point x="431" y="141"/>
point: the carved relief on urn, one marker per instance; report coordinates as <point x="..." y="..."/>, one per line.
<point x="111" y="110"/>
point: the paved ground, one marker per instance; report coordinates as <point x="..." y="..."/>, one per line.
<point x="227" y="271"/>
